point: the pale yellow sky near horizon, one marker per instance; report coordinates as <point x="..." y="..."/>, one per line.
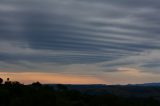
<point x="127" y="76"/>
<point x="50" y="78"/>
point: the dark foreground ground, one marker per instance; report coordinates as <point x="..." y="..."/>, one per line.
<point x="16" y="94"/>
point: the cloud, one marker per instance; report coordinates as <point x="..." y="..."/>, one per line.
<point x="79" y="34"/>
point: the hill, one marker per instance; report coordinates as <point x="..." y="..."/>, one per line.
<point x="16" y="94"/>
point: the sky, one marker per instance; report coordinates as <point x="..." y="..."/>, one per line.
<point x="80" y="41"/>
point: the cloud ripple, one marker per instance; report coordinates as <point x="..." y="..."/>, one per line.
<point x="92" y="32"/>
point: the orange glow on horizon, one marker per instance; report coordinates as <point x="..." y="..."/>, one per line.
<point x="50" y="78"/>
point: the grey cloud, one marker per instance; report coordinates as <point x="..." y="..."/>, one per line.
<point x="100" y="31"/>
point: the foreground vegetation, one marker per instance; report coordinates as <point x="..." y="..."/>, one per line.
<point x="17" y="94"/>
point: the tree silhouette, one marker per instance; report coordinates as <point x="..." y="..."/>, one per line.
<point x="8" y="82"/>
<point x="36" y="84"/>
<point x="1" y="80"/>
<point x="8" y="79"/>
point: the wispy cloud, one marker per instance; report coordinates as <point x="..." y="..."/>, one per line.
<point x="94" y="37"/>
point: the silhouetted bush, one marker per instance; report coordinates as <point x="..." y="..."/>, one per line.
<point x="1" y="80"/>
<point x="36" y="84"/>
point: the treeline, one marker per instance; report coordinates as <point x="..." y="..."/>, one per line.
<point x="13" y="93"/>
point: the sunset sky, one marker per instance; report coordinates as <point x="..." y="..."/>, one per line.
<point x="80" y="41"/>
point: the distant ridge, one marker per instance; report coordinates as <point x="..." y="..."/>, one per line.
<point x="149" y="84"/>
<point x="81" y="86"/>
<point x="130" y="90"/>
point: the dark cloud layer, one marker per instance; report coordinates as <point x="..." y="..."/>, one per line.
<point x="106" y="33"/>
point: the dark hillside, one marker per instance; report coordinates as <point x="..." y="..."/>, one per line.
<point x="16" y="94"/>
